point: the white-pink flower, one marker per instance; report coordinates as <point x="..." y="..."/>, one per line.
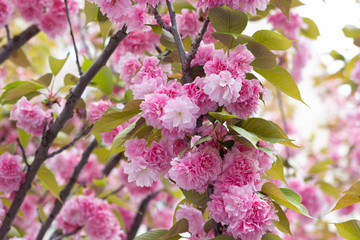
<point x="222" y="88"/>
<point x="11" y="172"/>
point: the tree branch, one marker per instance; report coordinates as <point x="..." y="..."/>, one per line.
<point x="7" y="32"/>
<point x="140" y="215"/>
<point x="23" y="153"/>
<point x="67" y="189"/>
<point x="77" y="138"/>
<point x="115" y="159"/>
<point x="58" y="237"/>
<point x="73" y="38"/>
<point x="54" y="128"/>
<point x="17" y="42"/>
<point x="160" y="20"/>
<point x="195" y="44"/>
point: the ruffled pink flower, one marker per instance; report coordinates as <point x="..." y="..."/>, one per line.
<point x="218" y="63"/>
<point x="114" y="10"/>
<point x="180" y="113"/>
<point x="163" y="218"/>
<point x="204" y="4"/>
<point x="204" y="54"/>
<point x="197" y="95"/>
<point x="290" y="27"/>
<point x="30" y="10"/>
<point x="301" y="57"/>
<point x="97" y="109"/>
<point x="11" y="172"/>
<point x="138" y="42"/>
<point x="188" y="23"/>
<point x="153" y="109"/>
<point x="147" y="86"/>
<point x="29" y="118"/>
<point x="6" y="9"/>
<point x="194" y="218"/>
<point x="251" y="5"/>
<point x="137" y="18"/>
<point x="151" y="2"/>
<point x="239" y="60"/>
<point x="222" y="88"/>
<point x="196" y="170"/>
<point x="247" y="102"/>
<point x="208" y="38"/>
<point x="173" y="89"/>
<point x="127" y="66"/>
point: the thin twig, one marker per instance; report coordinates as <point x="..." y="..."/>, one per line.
<point x="140" y="215"/>
<point x="83" y="40"/>
<point x="67" y="189"/>
<point x="66" y="234"/>
<point x="160" y="20"/>
<point x="23" y="153"/>
<point x="17" y="42"/>
<point x="73" y="38"/>
<point x="115" y="159"/>
<point x="7" y="32"/>
<point x="83" y="182"/>
<point x="54" y="128"/>
<point x="113" y="192"/>
<point x="79" y="136"/>
<point x="39" y="215"/>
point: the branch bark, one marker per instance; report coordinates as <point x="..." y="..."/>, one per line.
<point x="115" y="159"/>
<point x="67" y="189"/>
<point x="54" y="128"/>
<point x="17" y="42"/>
<point x="140" y="215"/>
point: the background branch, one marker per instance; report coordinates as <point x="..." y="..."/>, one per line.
<point x="23" y="152"/>
<point x="110" y="165"/>
<point x="17" y="42"/>
<point x="67" y="189"/>
<point x="7" y="32"/>
<point x="54" y="128"/>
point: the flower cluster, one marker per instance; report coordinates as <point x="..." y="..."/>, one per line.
<point x="29" y="118"/>
<point x="244" y="5"/>
<point x="291" y="27"/>
<point x="94" y="214"/>
<point x="11" y="172"/>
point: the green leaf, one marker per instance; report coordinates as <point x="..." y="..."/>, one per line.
<point x="199" y="199"/>
<point x="272" y="40"/>
<point x="70" y="79"/>
<point x="231" y="41"/>
<point x="336" y="56"/>
<point x="10" y="148"/>
<point x="15" y="90"/>
<point x="354" y="189"/>
<point x="251" y="137"/>
<point x="100" y="182"/>
<point x="116" y="200"/>
<point x="119" y="140"/>
<point x="277" y="170"/>
<point x="283" y="5"/>
<point x="181" y="4"/>
<point x="151" y="235"/>
<point x="281" y="78"/>
<point x="286" y="197"/>
<point x="346" y="201"/>
<point x="167" y="40"/>
<point x="270" y="236"/>
<point x="222" y="116"/>
<point x="228" y="20"/>
<point x="223" y="237"/>
<point x="321" y="166"/>
<point x="24" y="137"/>
<point x="104" y="25"/>
<point x="187" y="44"/>
<point x="203" y="139"/>
<point x="103" y="79"/>
<point x="20" y="59"/>
<point x="328" y="189"/>
<point x="57" y="64"/>
<point x="264" y="58"/>
<point x="349" y="230"/>
<point x="44" y="80"/>
<point x="119" y="218"/>
<point x="7" y="203"/>
<point x="266" y="130"/>
<point x="283" y="223"/>
<point x="179" y="227"/>
<point x="312" y="30"/>
<point x="49" y="181"/>
<point x="155" y="28"/>
<point x="91" y="12"/>
<point x="351" y="31"/>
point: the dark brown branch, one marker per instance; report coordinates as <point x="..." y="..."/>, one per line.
<point x="73" y="38"/>
<point x="160" y="20"/>
<point x="67" y="189"/>
<point x="54" y="128"/>
<point x="58" y="237"/>
<point x="115" y="159"/>
<point x="77" y="138"/>
<point x="17" y="42"/>
<point x="7" y="32"/>
<point x="23" y="153"/>
<point x="195" y="44"/>
<point x="140" y="215"/>
<point x="113" y="192"/>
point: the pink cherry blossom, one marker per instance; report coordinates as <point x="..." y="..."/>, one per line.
<point x="97" y="109"/>
<point x="239" y="60"/>
<point x="204" y="54"/>
<point x="138" y="42"/>
<point x="194" y="218"/>
<point x="29" y="118"/>
<point x="208" y="38"/>
<point x="153" y="109"/>
<point x="188" y="23"/>
<point x="291" y="26"/>
<point x="218" y="63"/>
<point x="6" y="11"/>
<point x="127" y="66"/>
<point x="222" y="88"/>
<point x="11" y="172"/>
<point x="251" y="5"/>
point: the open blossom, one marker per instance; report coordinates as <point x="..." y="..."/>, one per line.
<point x="180" y="113"/>
<point x="222" y="88"/>
<point x="11" y="172"/>
<point x="194" y="218"/>
<point x="239" y="60"/>
<point x="251" y="5"/>
<point x="188" y="23"/>
<point x="97" y="109"/>
<point x="127" y="66"/>
<point x="204" y="54"/>
<point x="6" y="9"/>
<point x="29" y="118"/>
<point x="153" y="109"/>
<point x="114" y="10"/>
<point x="291" y="26"/>
<point x="196" y="170"/>
<point x="137" y="42"/>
